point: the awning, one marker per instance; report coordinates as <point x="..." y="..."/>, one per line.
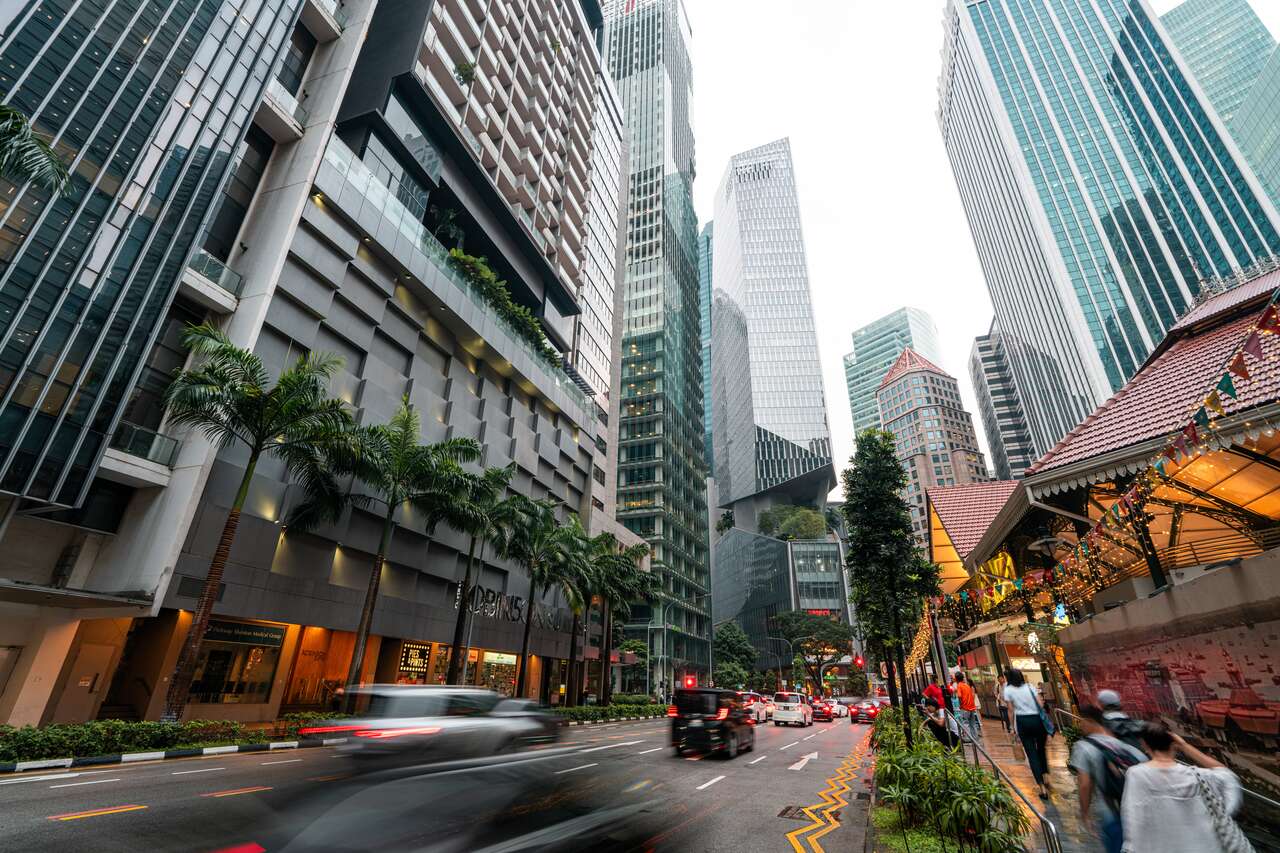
<point x="995" y="626"/>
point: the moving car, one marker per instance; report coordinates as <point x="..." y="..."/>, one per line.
<point x="792" y="709"/>
<point x="840" y="708"/>
<point x="399" y="724"/>
<point x="704" y="719"/>
<point x="753" y="704"/>
<point x="864" y="712"/>
<point x="822" y="710"/>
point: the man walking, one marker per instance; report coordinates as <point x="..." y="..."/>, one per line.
<point x="1100" y="762"/>
<point x="1119" y="724"/>
<point x="968" y="707"/>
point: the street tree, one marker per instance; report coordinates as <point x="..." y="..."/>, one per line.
<point x="633" y="675"/>
<point x="730" y="676"/>
<point x="390" y="473"/>
<point x="817" y="640"/>
<point x="228" y="397"/>
<point x="619" y="582"/>
<point x="888" y="575"/>
<point x="732" y="645"/>
<point x="24" y="155"/>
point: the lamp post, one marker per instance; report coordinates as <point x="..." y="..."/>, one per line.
<point x="791" y="648"/>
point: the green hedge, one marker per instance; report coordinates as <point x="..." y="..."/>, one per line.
<point x="108" y="737"/>
<point x="632" y="699"/>
<point x="289" y="724"/>
<point x="600" y="713"/>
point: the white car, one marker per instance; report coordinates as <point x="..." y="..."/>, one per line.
<point x="753" y="704"/>
<point x="793" y="709"/>
<point x="839" y="708"/>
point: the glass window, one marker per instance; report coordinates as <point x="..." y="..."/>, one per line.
<point x="237" y="663"/>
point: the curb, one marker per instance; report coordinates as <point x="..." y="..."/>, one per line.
<point x="614" y="720"/>
<point x="159" y="755"/>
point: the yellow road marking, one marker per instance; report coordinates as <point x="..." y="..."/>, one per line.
<point x="95" y="812"/>
<point x="834" y="797"/>
<point x="235" y="791"/>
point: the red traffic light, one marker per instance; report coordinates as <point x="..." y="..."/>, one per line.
<point x="690" y="681"/>
<point x="859" y="662"/>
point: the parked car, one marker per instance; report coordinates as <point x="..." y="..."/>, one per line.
<point x="710" y="720"/>
<point x="399" y="724"/>
<point x="753" y="704"/>
<point x="864" y="712"/>
<point x="792" y="709"/>
<point x="822" y="710"/>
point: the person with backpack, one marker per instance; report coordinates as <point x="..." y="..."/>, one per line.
<point x="1100" y="762"/>
<point x="1120" y="724"/>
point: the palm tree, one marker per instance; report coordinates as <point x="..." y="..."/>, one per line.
<point x="539" y="544"/>
<point x="621" y="582"/>
<point x="230" y="399"/>
<point x="25" y="156"/>
<point x="580" y="577"/>
<point x="394" y="471"/>
<point x="490" y="516"/>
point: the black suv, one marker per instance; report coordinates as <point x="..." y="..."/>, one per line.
<point x="710" y="720"/>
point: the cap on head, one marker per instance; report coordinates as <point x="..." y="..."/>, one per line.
<point x="1108" y="699"/>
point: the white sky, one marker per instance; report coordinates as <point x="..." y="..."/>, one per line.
<point x="853" y="83"/>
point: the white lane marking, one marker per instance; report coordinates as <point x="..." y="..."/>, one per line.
<point x="647" y="751"/>
<point x="709" y="784"/>
<point x="571" y="769"/>
<point x="758" y="760"/>
<point x="799" y="765"/>
<point x="810" y="737"/>
<point x="201" y="770"/>
<point x="90" y="782"/>
<point x="788" y="746"/>
<point x="286" y="761"/>
<point x="612" y="745"/>
<point x="40" y="778"/>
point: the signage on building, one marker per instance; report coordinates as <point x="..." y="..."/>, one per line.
<point x="415" y="657"/>
<point x="818" y="612"/>
<point x="246" y="633"/>
<point x="499" y="657"/>
<point x="511" y="608"/>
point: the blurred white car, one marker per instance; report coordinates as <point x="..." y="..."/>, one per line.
<point x="792" y="709"/>
<point x="753" y="704"/>
<point x="839" y="708"/>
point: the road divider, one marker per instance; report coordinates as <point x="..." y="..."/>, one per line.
<point x="95" y="813"/>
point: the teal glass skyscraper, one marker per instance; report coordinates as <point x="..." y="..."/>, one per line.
<point x="1224" y="44"/>
<point x="876" y="346"/>
<point x="1100" y="190"/>
<point x="706" y="246"/>
<point x="662" y="493"/>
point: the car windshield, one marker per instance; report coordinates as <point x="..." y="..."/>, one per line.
<point x="696" y="703"/>
<point x="786" y="697"/>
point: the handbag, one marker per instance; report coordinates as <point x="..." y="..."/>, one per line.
<point x="1224" y="826"/>
<point x="1015" y="744"/>
<point x="1044" y="715"/>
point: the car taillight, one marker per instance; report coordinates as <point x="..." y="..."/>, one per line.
<point x="722" y="713"/>
<point x="383" y="734"/>
<point x="873" y="712"/>
<point x="671" y="710"/>
<point x="326" y="730"/>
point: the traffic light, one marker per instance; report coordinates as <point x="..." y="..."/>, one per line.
<point x="690" y="681"/>
<point x="859" y="662"/>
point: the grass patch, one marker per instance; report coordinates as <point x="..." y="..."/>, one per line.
<point x="889" y="834"/>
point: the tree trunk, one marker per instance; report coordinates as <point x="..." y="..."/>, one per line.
<point x="575" y="675"/>
<point x="460" y="625"/>
<point x="606" y="655"/>
<point x="889" y="670"/>
<point x="366" y="615"/>
<point x="902" y="673"/>
<point x="185" y="670"/>
<point x="522" y="678"/>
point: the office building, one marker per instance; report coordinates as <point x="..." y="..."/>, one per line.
<point x="661" y="469"/>
<point x="371" y="139"/>
<point x="706" y="242"/>
<point x="876" y="346"/>
<point x="920" y="404"/>
<point x="1224" y="45"/>
<point x="1099" y="186"/>
<point x="999" y="408"/>
<point x="1256" y="126"/>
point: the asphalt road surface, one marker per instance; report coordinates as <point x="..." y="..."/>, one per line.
<point x="232" y="802"/>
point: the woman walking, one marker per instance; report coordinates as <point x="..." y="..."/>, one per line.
<point x="1001" y="706"/>
<point x="1025" y="707"/>
<point x="1169" y="807"/>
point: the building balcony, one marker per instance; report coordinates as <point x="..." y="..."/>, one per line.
<point x="211" y="283"/>
<point x="324" y="19"/>
<point x="139" y="457"/>
<point x="280" y="114"/>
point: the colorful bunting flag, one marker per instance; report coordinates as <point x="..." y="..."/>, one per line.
<point x="1214" y="402"/>
<point x="1201" y="419"/>
<point x="1226" y="387"/>
<point x="1253" y="346"/>
<point x="1171" y="452"/>
<point x="1270" y="321"/>
<point x="1189" y="433"/>
<point x="1160" y="464"/>
<point x="1239" y="366"/>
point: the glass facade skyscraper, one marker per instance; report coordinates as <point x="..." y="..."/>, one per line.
<point x="876" y="346"/>
<point x="706" y="244"/>
<point x="147" y="101"/>
<point x="661" y="470"/>
<point x="769" y="410"/>
<point x="1225" y="45"/>
<point x="1099" y="190"/>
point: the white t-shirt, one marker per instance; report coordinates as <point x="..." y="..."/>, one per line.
<point x="1022" y="699"/>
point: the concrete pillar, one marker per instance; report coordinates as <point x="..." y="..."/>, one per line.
<point x="31" y="684"/>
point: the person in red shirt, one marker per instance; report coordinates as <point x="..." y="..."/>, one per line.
<point x="969" y="718"/>
<point x="934" y="692"/>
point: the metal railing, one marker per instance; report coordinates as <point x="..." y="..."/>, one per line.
<point x="286" y="99"/>
<point x="335" y="10"/>
<point x="145" y="443"/>
<point x="216" y="271"/>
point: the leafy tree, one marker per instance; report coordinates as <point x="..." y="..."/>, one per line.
<point x="804" y="523"/>
<point x="888" y="576"/>
<point x="725" y="522"/>
<point x="25" y="156"/>
<point x="817" y="640"/>
<point x="618" y="581"/>
<point x="392" y="471"/>
<point x="730" y="675"/>
<point x="579" y="581"/>
<point x="229" y="397"/>
<point x="633" y="675"/>
<point x="732" y="645"/>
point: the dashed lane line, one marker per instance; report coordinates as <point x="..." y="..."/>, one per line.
<point x="201" y="770"/>
<point x="612" y="745"/>
<point x="647" y="751"/>
<point x="95" y="813"/>
<point x="90" y="782"/>
<point x="810" y="737"/>
<point x="572" y="769"/>
<point x="788" y="746"/>
<point x="286" y="761"/>
<point x="706" y="785"/>
<point x="235" y="792"/>
<point x="758" y="760"/>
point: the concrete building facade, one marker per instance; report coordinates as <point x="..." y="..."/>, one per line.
<point x="876" y="346"/>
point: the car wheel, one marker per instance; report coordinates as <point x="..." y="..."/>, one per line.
<point x="731" y="748"/>
<point x="776" y="723"/>
<point x="679" y="752"/>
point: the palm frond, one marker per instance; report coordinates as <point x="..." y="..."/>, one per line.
<point x="25" y="156"/>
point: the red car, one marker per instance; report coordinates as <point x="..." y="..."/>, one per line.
<point x="822" y="710"/>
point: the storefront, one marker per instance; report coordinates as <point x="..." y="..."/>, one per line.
<point x="237" y="663"/>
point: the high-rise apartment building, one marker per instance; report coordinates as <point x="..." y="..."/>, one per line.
<point x="319" y="160"/>
<point x="769" y="412"/>
<point x="1099" y="187"/>
<point x="920" y="404"/>
<point x="876" y="346"/>
<point x="706" y="244"/>
<point x="1225" y="46"/>
<point x="999" y="407"/>
<point x="661" y="470"/>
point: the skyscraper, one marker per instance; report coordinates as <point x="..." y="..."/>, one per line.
<point x="920" y="404"/>
<point x="1224" y="44"/>
<point x="770" y="416"/>
<point x="999" y="407"/>
<point x="706" y="243"/>
<point x="661" y="470"/>
<point x="1099" y="190"/>
<point x="1256" y="126"/>
<point x="876" y="346"/>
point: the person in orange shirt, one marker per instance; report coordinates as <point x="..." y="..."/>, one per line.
<point x="968" y="707"/>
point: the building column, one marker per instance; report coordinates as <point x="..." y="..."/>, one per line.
<point x="31" y="684"/>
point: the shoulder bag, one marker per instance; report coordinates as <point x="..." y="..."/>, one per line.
<point x="1228" y="831"/>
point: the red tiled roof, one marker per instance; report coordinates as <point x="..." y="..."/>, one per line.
<point x="966" y="511"/>
<point x="1165" y="393"/>
<point x="908" y="361"/>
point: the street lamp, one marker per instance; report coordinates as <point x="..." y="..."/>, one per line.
<point x="790" y="647"/>
<point x="662" y="625"/>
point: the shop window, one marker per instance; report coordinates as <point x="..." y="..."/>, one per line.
<point x="237" y="663"/>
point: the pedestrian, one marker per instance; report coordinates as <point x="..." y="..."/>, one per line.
<point x="1002" y="707"/>
<point x="968" y="701"/>
<point x="1174" y="808"/>
<point x="935" y="692"/>
<point x="1101" y="763"/>
<point x="1025" y="705"/>
<point x="1120" y="724"/>
<point x="942" y="725"/>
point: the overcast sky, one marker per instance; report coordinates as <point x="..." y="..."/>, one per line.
<point x="853" y="83"/>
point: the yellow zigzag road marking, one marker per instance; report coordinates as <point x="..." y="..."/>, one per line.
<point x="834" y="798"/>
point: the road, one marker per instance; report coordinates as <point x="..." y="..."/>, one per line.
<point x="221" y="802"/>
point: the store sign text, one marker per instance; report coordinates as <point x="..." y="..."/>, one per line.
<point x="496" y="605"/>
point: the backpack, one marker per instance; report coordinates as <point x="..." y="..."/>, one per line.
<point x="1115" y="763"/>
<point x="1127" y="731"/>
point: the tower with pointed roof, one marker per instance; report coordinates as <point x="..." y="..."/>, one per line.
<point x="920" y="404"/>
